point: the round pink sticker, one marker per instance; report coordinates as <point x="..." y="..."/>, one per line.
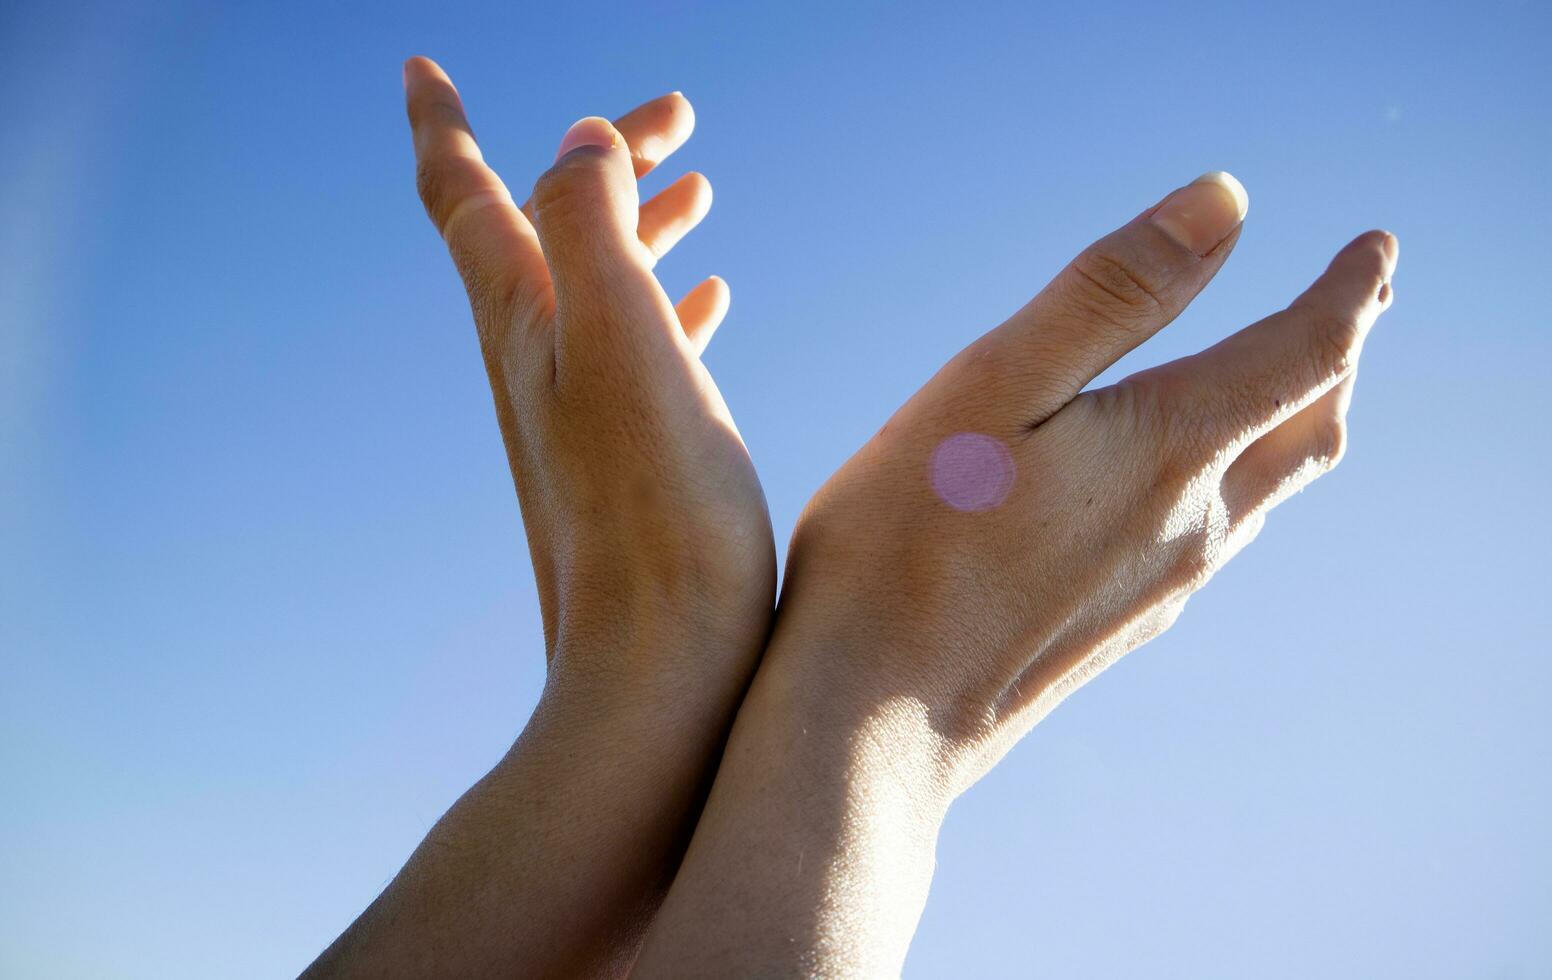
<point x="971" y="471"/>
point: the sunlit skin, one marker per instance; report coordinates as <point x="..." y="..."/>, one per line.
<point x="1002" y="539"/>
<point x="651" y="547"/>
<point x="917" y="641"/>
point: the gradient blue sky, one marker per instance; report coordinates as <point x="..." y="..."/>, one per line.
<point x="265" y="608"/>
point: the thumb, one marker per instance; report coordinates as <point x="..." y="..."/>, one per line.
<point x="585" y="210"/>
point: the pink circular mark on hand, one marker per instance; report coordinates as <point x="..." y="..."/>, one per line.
<point x="971" y="471"/>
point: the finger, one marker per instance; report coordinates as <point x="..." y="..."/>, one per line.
<point x="492" y="244"/>
<point x="673" y="213"/>
<point x="1120" y="291"/>
<point x="585" y="212"/>
<point x="1291" y="456"/>
<point x="701" y="311"/>
<point x="1239" y="389"/>
<point x="654" y="130"/>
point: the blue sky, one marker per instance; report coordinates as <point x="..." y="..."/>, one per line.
<point x="265" y="608"/>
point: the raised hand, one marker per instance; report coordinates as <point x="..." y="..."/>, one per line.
<point x="1002" y="539"/>
<point x="634" y="484"/>
<point x="651" y="547"/>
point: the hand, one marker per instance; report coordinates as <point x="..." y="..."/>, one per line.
<point x="1007" y="535"/>
<point x="1002" y="539"/>
<point x="641" y="504"/>
<point x="651" y="547"/>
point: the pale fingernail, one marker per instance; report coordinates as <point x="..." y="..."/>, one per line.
<point x="1204" y="212"/>
<point x="1392" y="249"/>
<point x="589" y="131"/>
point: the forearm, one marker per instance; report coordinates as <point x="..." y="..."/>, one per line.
<point x="814" y="853"/>
<point x="553" y="863"/>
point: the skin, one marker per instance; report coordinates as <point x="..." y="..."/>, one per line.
<point x="1002" y="539"/>
<point x="651" y="546"/>
<point x="916" y="641"/>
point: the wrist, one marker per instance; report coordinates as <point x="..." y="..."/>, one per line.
<point x="816" y="848"/>
<point x="659" y="653"/>
<point x="854" y="732"/>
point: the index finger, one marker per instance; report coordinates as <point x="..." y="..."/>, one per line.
<point x="491" y="242"/>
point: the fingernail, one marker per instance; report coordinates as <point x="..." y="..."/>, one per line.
<point x="589" y="131"/>
<point x="1202" y="213"/>
<point x="1392" y="248"/>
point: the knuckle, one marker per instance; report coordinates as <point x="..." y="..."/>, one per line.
<point x="443" y="182"/>
<point x="1154" y="393"/>
<point x="1202" y="548"/>
<point x="438" y="111"/>
<point x="564" y="188"/>
<point x="551" y="191"/>
<point x="1330" y="442"/>
<point x="1336" y="339"/>
<point x="1194" y="567"/>
<point x="1187" y="561"/>
<point x="431" y="183"/>
<point x="1112" y="288"/>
